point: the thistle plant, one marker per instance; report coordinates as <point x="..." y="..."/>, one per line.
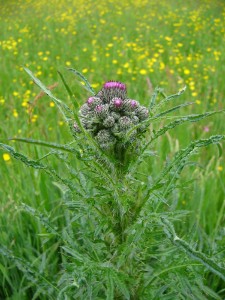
<point x="118" y="239"/>
<point x="113" y="120"/>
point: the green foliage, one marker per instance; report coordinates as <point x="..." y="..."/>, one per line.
<point x="113" y="235"/>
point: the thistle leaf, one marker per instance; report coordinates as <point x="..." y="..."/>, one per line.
<point x="64" y="109"/>
<point x="87" y="85"/>
<point x="47" y="144"/>
<point x="209" y="263"/>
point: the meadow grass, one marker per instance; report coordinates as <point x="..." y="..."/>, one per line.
<point x="142" y="43"/>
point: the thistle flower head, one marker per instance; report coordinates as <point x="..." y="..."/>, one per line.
<point x="125" y="122"/>
<point x="113" y="89"/>
<point x="92" y="102"/>
<point x="101" y="110"/>
<point x="76" y="127"/>
<point x="104" y="137"/>
<point x="109" y="122"/>
<point x="116" y="104"/>
<point x="115" y="85"/>
<point x="142" y="113"/>
<point x="109" y="115"/>
<point x="130" y="105"/>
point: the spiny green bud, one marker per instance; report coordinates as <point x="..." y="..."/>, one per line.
<point x="130" y="105"/>
<point x="109" y="122"/>
<point x="115" y="128"/>
<point x="84" y="110"/>
<point x="102" y="110"/>
<point x="142" y="113"/>
<point x="135" y="120"/>
<point x="104" y="136"/>
<point x="125" y="122"/>
<point x="116" y="104"/>
<point x="92" y="102"/>
<point x="115" y="115"/>
<point x="76" y="128"/>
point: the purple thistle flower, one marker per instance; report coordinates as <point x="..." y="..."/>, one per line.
<point x="130" y="105"/>
<point x="102" y="110"/>
<point x="133" y="103"/>
<point x="117" y="102"/>
<point x="76" y="128"/>
<point x="99" y="108"/>
<point x="113" y="89"/>
<point x="115" y="85"/>
<point x="92" y="102"/>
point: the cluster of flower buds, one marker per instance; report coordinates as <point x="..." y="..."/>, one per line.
<point x="109" y="115"/>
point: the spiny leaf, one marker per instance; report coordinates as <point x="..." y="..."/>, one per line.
<point x="47" y="144"/>
<point x="28" y="270"/>
<point x="43" y="219"/>
<point x="154" y="97"/>
<point x="172" y="109"/>
<point x="190" y="118"/>
<point x="121" y="285"/>
<point x="169" y="98"/>
<point x="154" y="118"/>
<point x="38" y="165"/>
<point x="75" y="254"/>
<point x="65" y="110"/>
<point x="23" y="158"/>
<point x="75" y="104"/>
<point x="87" y="85"/>
<point x="171" y="125"/>
<point x="196" y="255"/>
<point x="180" y="158"/>
<point x="176" y="166"/>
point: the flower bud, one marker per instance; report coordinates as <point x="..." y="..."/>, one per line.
<point x="115" y="129"/>
<point x="135" y="120"/>
<point x="115" y="115"/>
<point x="125" y="122"/>
<point x="105" y="137"/>
<point x="101" y="111"/>
<point x="76" y="128"/>
<point x="116" y="104"/>
<point x="92" y="102"/>
<point x="142" y="113"/>
<point x="112" y="89"/>
<point x="109" y="122"/>
<point x="84" y="110"/>
<point x="130" y="105"/>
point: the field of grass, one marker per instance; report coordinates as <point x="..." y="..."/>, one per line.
<point x="145" y="44"/>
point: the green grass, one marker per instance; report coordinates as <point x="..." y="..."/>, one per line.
<point x="142" y="43"/>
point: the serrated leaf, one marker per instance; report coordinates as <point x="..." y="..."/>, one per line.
<point x="47" y="144"/>
<point x="87" y="85"/>
<point x="154" y="97"/>
<point x="169" y="98"/>
<point x="209" y="263"/>
<point x="23" y="158"/>
<point x="64" y="109"/>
